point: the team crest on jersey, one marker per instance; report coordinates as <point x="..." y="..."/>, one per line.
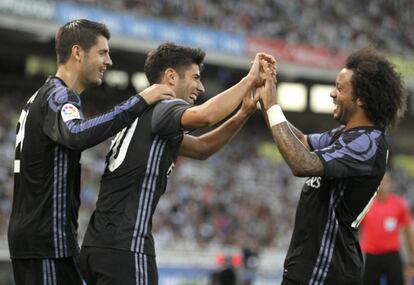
<point x="70" y="112"/>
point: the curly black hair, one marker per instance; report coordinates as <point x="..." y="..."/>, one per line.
<point x="376" y="82"/>
<point x="170" y="55"/>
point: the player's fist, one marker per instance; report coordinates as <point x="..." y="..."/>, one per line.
<point x="268" y="91"/>
<point x="256" y="72"/>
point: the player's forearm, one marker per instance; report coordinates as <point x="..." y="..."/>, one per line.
<point x="301" y="136"/>
<point x="82" y="134"/>
<point x="301" y="161"/>
<point x="221" y="105"/>
<point x="298" y="133"/>
<point x="214" y="140"/>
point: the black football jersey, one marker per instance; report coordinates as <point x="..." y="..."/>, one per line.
<point x="324" y="248"/>
<point x="141" y="159"/>
<point x="50" y="135"/>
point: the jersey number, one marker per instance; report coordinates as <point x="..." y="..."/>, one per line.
<point x="119" y="146"/>
<point x="20" y="132"/>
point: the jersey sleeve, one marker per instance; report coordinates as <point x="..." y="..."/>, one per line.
<point x="352" y="154"/>
<point x="65" y="123"/>
<point x="321" y="140"/>
<point x="166" y="118"/>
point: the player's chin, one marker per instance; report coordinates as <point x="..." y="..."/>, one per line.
<point x="97" y="81"/>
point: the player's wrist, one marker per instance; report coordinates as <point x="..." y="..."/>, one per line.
<point x="142" y="99"/>
<point x="275" y="115"/>
<point x="249" y="80"/>
<point x="243" y="114"/>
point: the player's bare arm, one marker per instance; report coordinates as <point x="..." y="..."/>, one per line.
<point x="409" y="240"/>
<point x="204" y="146"/>
<point x="221" y="105"/>
<point x="290" y="141"/>
<point x="301" y="136"/>
<point x="301" y="161"/>
<point x="157" y="92"/>
<point x="298" y="133"/>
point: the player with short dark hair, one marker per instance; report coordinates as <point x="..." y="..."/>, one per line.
<point x="173" y="56"/>
<point x="344" y="166"/>
<point x="118" y="247"/>
<point x="51" y="133"/>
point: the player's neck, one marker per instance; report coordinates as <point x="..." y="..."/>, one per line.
<point x="382" y="197"/>
<point x="70" y="77"/>
<point x="358" y="121"/>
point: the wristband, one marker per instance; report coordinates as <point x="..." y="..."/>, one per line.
<point x="275" y="115"/>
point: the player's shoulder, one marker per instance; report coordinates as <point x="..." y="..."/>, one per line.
<point x="397" y="199"/>
<point x="171" y="102"/>
<point x="169" y="105"/>
<point x="59" y="93"/>
<point x="361" y="138"/>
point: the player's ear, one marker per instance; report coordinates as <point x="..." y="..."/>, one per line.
<point x="360" y="103"/>
<point x="170" y="76"/>
<point x="77" y="53"/>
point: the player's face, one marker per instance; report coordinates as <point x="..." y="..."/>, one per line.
<point x="95" y="63"/>
<point x="345" y="104"/>
<point x="189" y="86"/>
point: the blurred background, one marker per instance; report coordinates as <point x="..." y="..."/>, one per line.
<point x="228" y="218"/>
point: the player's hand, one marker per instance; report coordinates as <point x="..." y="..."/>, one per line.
<point x="256" y="72"/>
<point x="249" y="103"/>
<point x="268" y="92"/>
<point x="157" y="92"/>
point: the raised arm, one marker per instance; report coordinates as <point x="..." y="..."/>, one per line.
<point x="204" y="146"/>
<point x="290" y="141"/>
<point x="301" y="136"/>
<point x="221" y="105"/>
<point x="298" y="133"/>
<point x="65" y="122"/>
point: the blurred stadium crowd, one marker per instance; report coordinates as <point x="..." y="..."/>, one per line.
<point x="240" y="196"/>
<point x="387" y="24"/>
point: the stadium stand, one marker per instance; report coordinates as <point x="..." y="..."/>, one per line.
<point x="386" y="24"/>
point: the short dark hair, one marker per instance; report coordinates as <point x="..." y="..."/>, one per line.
<point x="376" y="82"/>
<point x="78" y="32"/>
<point x="170" y="55"/>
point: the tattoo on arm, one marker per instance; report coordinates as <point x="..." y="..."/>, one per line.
<point x="301" y="161"/>
<point x="298" y="133"/>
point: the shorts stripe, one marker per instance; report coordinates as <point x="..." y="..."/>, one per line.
<point x="49" y="272"/>
<point x="141" y="276"/>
